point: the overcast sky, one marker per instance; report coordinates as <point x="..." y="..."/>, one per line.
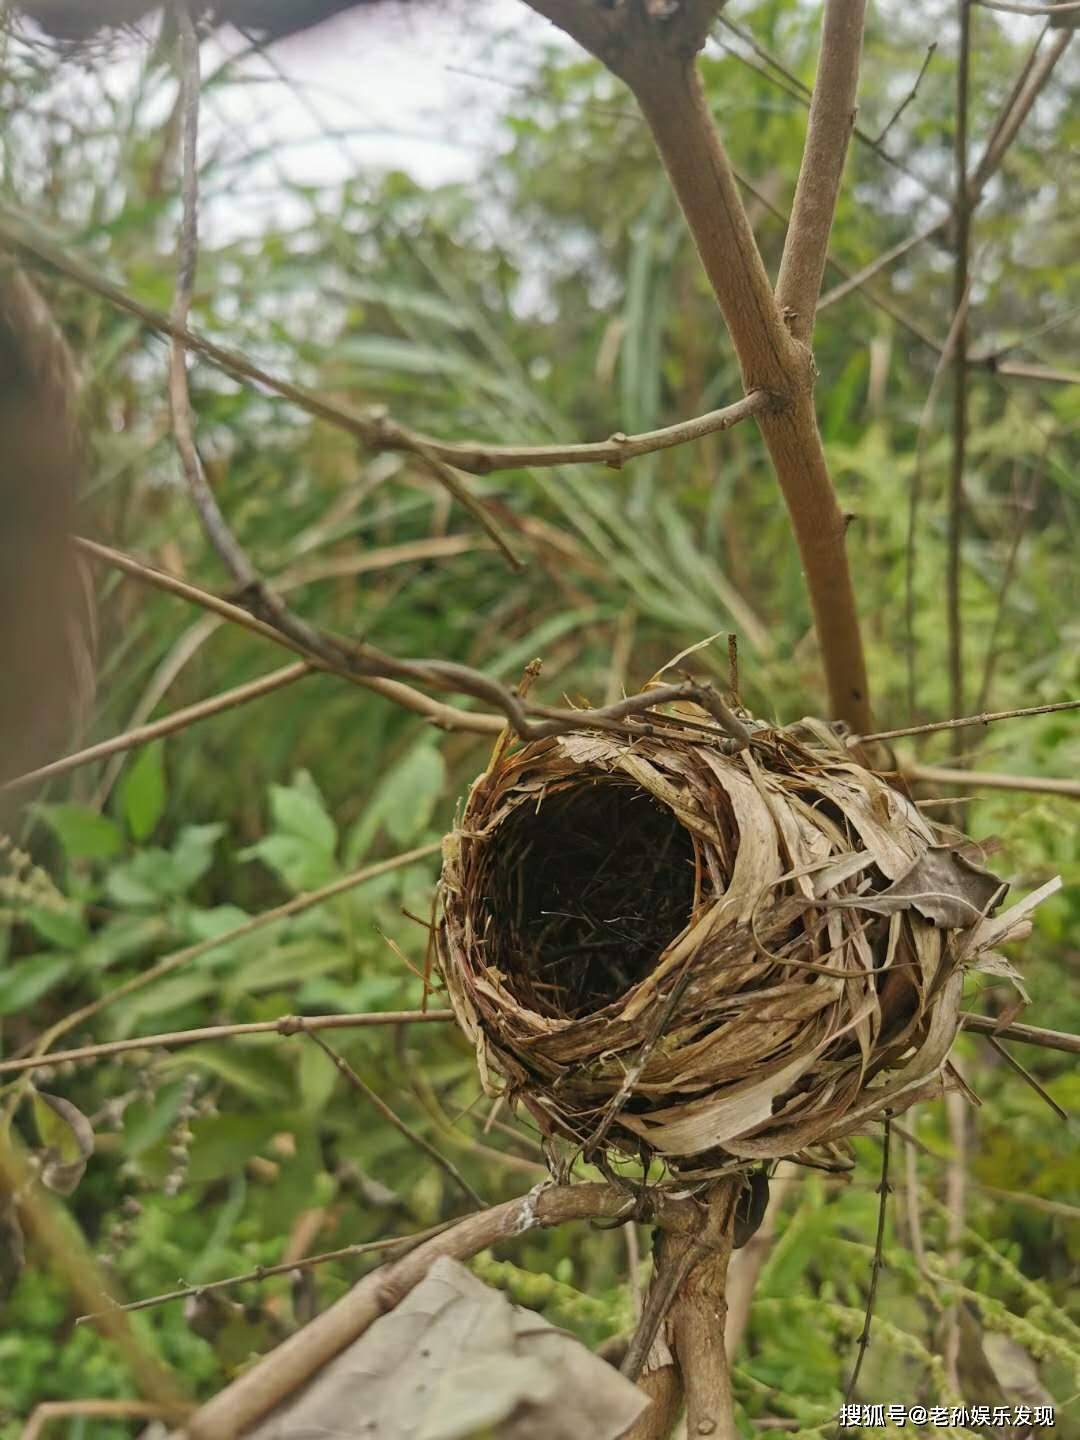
<point x="420" y="91"/>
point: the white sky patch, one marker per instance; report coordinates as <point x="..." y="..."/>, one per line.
<point x="422" y="91"/>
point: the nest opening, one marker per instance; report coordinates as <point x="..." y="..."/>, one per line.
<point x="586" y="889"/>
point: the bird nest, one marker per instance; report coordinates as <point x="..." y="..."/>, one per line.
<point x="663" y="944"/>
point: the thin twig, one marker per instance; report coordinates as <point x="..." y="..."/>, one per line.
<point x="1026" y="1074"/>
<point x="1043" y="374"/>
<point x="956" y="1203"/>
<point x="168" y="725"/>
<point x="1010" y="7"/>
<point x="779" y="75"/>
<point x="178" y="1039"/>
<point x="392" y="1118"/>
<point x="1026" y="1034"/>
<point x="987" y="718"/>
<point x="296" y="906"/>
<point x="374" y="428"/>
<point x="875" y="1268"/>
<point x="446" y="717"/>
<point x="915" y="495"/>
<point x="1022" y="512"/>
<point x="858" y="278"/>
<point x="910" y="96"/>
<point x="961" y="296"/>
<point x="988" y="780"/>
<point x="266" y="1272"/>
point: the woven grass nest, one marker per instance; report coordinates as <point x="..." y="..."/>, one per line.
<point x="664" y="945"/>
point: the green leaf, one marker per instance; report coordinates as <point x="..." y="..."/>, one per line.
<point x="193" y="854"/>
<point x="300" y="864"/>
<point x="298" y="809"/>
<point x="287" y="965"/>
<point x="142" y="793"/>
<point x="64" y="928"/>
<point x="318" y="1076"/>
<point x="404" y="801"/>
<point x="25" y="982"/>
<point x="154" y="874"/>
<point x="255" y="1069"/>
<point x="83" y="833"/>
<point x="413" y="787"/>
<point x="67" y="1140"/>
<point x="120" y="938"/>
<point x="224" y="1142"/>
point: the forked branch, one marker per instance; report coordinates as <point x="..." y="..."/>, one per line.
<point x="655" y="54"/>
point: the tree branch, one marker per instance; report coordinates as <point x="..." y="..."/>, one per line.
<point x="962" y="238"/>
<point x="296" y="906"/>
<point x="374" y="428"/>
<point x="832" y="115"/>
<point x="168" y="725"/>
<point x="177" y="1039"/>
<point x="987" y="718"/>
<point x="988" y="780"/>
<point x="656" y="59"/>
<point x="365" y="665"/>
<point x="1025" y="1034"/>
<point x="280" y="1373"/>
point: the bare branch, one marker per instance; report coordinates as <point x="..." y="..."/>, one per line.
<point x="884" y="1190"/>
<point x="1027" y="1076"/>
<point x="1043" y="374"/>
<point x="779" y="75"/>
<point x="959" y="320"/>
<point x="987" y="780"/>
<point x="910" y="96"/>
<point x="296" y="906"/>
<point x="1063" y="7"/>
<point x="656" y="59"/>
<point x="397" y="1243"/>
<point x="832" y="115"/>
<point x="960" y="296"/>
<point x="1025" y="1034"/>
<point x="178" y="1039"/>
<point x="857" y="280"/>
<point x="445" y="716"/>
<point x="479" y="458"/>
<point x="168" y="725"/>
<point x="374" y="428"/>
<point x="987" y="718"/>
<point x="362" y="664"/>
<point x="279" y="1374"/>
<point x="393" y="1119"/>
